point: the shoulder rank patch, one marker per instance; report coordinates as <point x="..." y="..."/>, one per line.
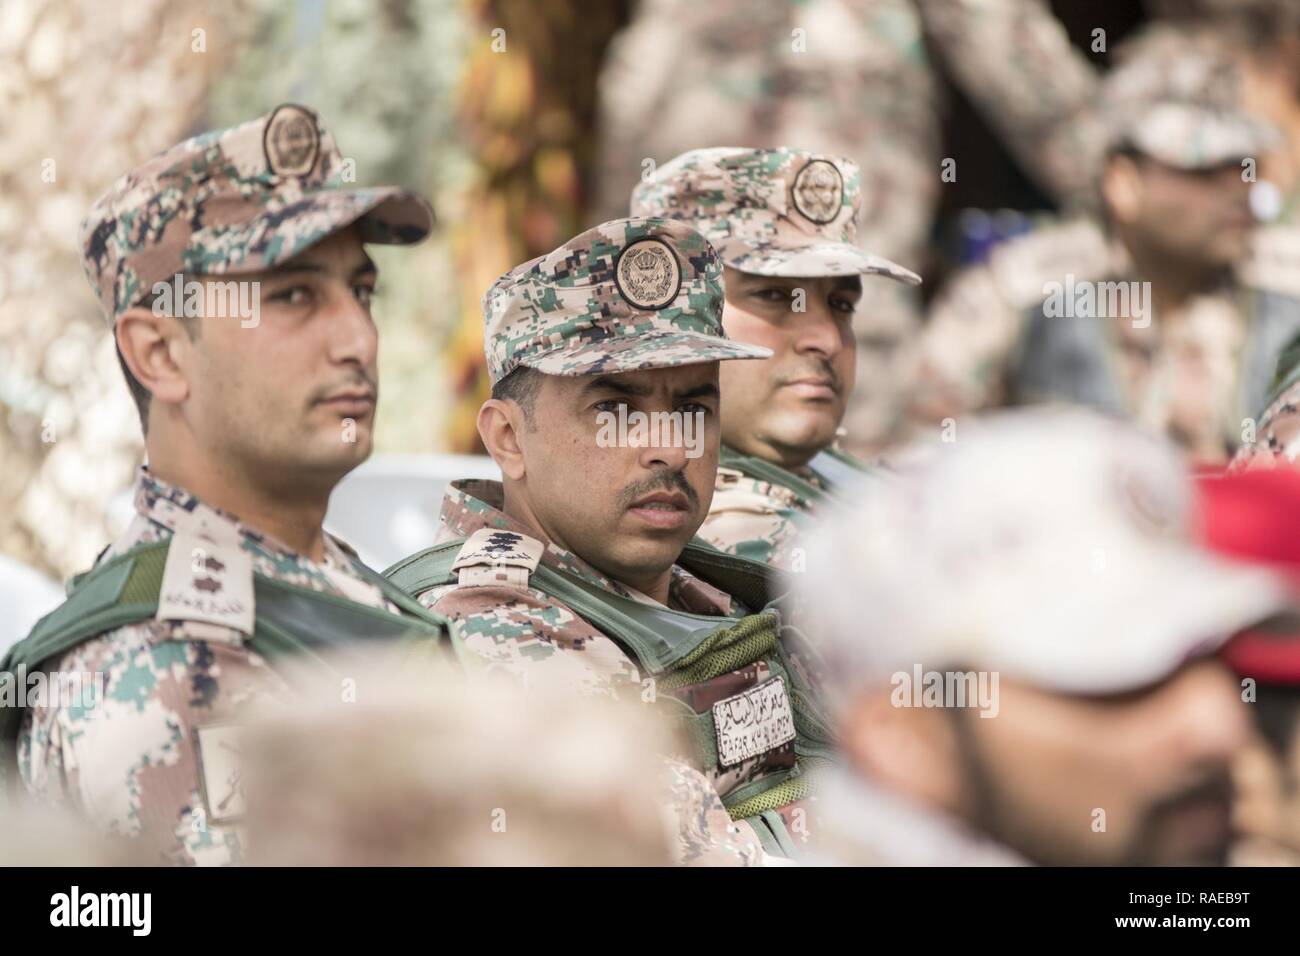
<point x="491" y="556"/>
<point x="209" y="581"/>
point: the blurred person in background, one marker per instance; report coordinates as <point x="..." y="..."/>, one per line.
<point x="428" y="766"/>
<point x="1154" y="312"/>
<point x="859" y="79"/>
<point x="1255" y="517"/>
<point x="38" y="834"/>
<point x="783" y="222"/>
<point x="1265" y="36"/>
<point x="1035" y="679"/>
<point x="233" y="272"/>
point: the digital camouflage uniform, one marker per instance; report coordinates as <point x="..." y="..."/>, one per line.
<point x="1277" y="439"/>
<point x="135" y="764"/>
<point x="632" y="294"/>
<point x="1197" y="375"/>
<point x="861" y="79"/>
<point x="531" y="635"/>
<point x="780" y="212"/>
<point x="148" y="755"/>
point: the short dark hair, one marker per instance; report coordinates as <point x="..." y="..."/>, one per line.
<point x="139" y="394"/>
<point x="521" y="387"/>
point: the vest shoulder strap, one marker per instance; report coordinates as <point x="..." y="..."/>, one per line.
<point x="123" y="590"/>
<point x="659" y="637"/>
<point x="289" y="619"/>
<point x="761" y="470"/>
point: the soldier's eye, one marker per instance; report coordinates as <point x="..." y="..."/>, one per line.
<point x="772" y="295"/>
<point x="690" y="408"/>
<point x="294" y="295"/>
<point x="365" y="294"/>
<point x="611" y="405"/>
<point x="847" y="306"/>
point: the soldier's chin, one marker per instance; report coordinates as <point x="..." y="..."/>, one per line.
<point x="341" y="452"/>
<point x="808" y="428"/>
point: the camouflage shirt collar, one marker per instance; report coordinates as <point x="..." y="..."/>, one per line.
<point x="474" y="503"/>
<point x="175" y="509"/>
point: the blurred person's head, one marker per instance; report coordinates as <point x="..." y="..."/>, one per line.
<point x="43" y="834"/>
<point x="604" y="357"/>
<point x="233" y="270"/>
<point x="783" y="222"/>
<point x="1024" y="641"/>
<point x="1175" y="183"/>
<point x="404" y="762"/>
<point x="1254" y="516"/>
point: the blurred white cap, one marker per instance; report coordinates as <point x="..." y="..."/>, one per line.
<point x="1053" y="546"/>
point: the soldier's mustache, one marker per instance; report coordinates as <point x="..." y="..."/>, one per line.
<point x="822" y="370"/>
<point x="362" y="381"/>
<point x="665" y="481"/>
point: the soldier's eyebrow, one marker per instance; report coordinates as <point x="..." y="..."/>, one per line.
<point x="752" y="279"/>
<point x="606" y="383"/>
<point x="365" y="266"/>
<point x="707" y="390"/>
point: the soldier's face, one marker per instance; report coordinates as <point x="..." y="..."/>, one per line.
<point x="787" y="408"/>
<point x="1266" y="810"/>
<point x="619" y="468"/>
<point x="1134" y="779"/>
<point x="1201" y="217"/>
<point x="296" y="392"/>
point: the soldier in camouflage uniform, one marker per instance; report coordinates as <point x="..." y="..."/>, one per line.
<point x="1277" y="439"/>
<point x="1163" y="313"/>
<point x="862" y="79"/>
<point x="575" y="565"/>
<point x="784" y="223"/>
<point x="250" y="417"/>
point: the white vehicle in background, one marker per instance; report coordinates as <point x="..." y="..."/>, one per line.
<point x="26" y="596"/>
<point x="388" y="507"/>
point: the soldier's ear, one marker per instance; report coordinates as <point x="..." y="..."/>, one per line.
<point x="1121" y="188"/>
<point x="153" y="348"/>
<point x="499" y="424"/>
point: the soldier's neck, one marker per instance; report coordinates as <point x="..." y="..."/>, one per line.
<point x="516" y="506"/>
<point x="783" y="456"/>
<point x="291" y="516"/>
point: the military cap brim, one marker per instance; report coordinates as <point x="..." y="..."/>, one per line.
<point x="385" y="215"/>
<point x="814" y="259"/>
<point x="646" y="350"/>
<point x="1186" y="137"/>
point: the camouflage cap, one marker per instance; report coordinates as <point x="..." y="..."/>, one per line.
<point x="235" y="201"/>
<point x="627" y="295"/>
<point x="1176" y="97"/>
<point x="776" y="212"/>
